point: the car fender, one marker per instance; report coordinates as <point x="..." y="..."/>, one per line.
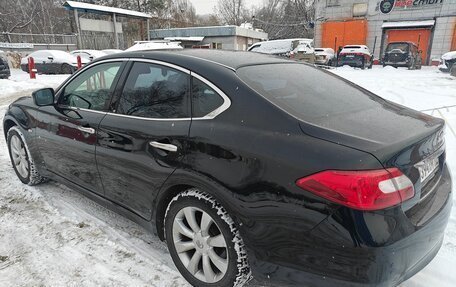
<point x="17" y="116"/>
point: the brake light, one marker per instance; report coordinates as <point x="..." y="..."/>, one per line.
<point x="363" y="190"/>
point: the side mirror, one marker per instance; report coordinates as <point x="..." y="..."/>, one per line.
<point x="51" y="58"/>
<point x="43" y="97"/>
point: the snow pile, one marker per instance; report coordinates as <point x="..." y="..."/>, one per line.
<point x="20" y="84"/>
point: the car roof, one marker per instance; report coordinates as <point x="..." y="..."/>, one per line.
<point x="192" y="58"/>
<point x="403" y="42"/>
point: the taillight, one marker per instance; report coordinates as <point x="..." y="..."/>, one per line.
<point x="363" y="190"/>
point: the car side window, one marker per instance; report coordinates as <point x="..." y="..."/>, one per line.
<point x="92" y="88"/>
<point x="154" y="91"/>
<point x="204" y="99"/>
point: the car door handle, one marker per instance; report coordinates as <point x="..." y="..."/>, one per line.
<point x="167" y="147"/>
<point x="87" y="130"/>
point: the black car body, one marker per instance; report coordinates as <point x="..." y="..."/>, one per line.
<point x="5" y="72"/>
<point x="357" y="56"/>
<point x="402" y="54"/>
<point x="264" y="149"/>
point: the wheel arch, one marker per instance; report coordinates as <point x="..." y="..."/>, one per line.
<point x="178" y="183"/>
<point x="7" y="124"/>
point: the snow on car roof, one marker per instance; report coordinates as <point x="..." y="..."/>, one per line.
<point x="105" y="9"/>
<point x="154" y="45"/>
<point x="356" y="48"/>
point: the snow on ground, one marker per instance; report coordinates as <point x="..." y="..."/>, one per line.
<point x="20" y="83"/>
<point x="53" y="236"/>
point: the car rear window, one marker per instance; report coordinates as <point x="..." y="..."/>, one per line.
<point x="305" y="92"/>
<point x="352" y="47"/>
<point x="398" y="47"/>
<point x="319" y="50"/>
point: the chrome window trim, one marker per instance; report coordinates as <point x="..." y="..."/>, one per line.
<point x="160" y="63"/>
<point x="226" y="100"/>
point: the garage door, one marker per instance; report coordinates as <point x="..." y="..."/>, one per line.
<point x="419" y="36"/>
<point x="335" y="34"/>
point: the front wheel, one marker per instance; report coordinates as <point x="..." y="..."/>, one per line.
<point x="204" y="242"/>
<point x="21" y="159"/>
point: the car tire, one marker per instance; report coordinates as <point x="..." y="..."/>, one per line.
<point x="66" y="69"/>
<point x="453" y="70"/>
<point x="21" y="159"/>
<point x="212" y="256"/>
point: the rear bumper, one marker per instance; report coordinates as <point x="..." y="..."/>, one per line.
<point x="354" y="248"/>
<point x="396" y="64"/>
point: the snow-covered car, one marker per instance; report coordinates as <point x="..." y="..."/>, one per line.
<point x="402" y="54"/>
<point x="154" y="45"/>
<point x="111" y="51"/>
<point x="447" y="62"/>
<point x="283" y="47"/>
<point x="52" y="62"/>
<point x="304" y="52"/>
<point x="358" y="56"/>
<point x="88" y="55"/>
<point x="324" y="56"/>
<point x="4" y="68"/>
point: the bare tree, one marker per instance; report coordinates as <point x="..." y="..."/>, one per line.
<point x="232" y="12"/>
<point x="286" y="18"/>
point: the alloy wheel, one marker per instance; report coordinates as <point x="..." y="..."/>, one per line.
<point x="19" y="156"/>
<point x="200" y="244"/>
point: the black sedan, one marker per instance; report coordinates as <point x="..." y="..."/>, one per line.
<point x="247" y="165"/>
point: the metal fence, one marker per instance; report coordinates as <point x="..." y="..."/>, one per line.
<point x="89" y="40"/>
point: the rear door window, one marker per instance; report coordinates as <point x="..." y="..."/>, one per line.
<point x="155" y="91"/>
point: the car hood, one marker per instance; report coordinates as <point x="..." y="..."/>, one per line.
<point x="383" y="130"/>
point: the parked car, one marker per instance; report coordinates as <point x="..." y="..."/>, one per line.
<point x="303" y="52"/>
<point x="154" y="45"/>
<point x="225" y="157"/>
<point x="88" y="55"/>
<point x="5" y="72"/>
<point x="284" y="47"/>
<point x="355" y="56"/>
<point x="52" y="62"/>
<point x="111" y="51"/>
<point x="324" y="56"/>
<point x="402" y="54"/>
<point x="447" y="62"/>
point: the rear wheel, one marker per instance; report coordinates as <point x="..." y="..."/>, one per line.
<point x="412" y="64"/>
<point x="21" y="159"/>
<point x="453" y="70"/>
<point x="204" y="242"/>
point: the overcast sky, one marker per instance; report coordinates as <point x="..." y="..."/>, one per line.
<point x="207" y="6"/>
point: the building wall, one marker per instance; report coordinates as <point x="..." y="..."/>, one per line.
<point x="228" y="42"/>
<point x="442" y="33"/>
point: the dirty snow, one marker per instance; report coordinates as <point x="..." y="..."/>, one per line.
<point x="53" y="236"/>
